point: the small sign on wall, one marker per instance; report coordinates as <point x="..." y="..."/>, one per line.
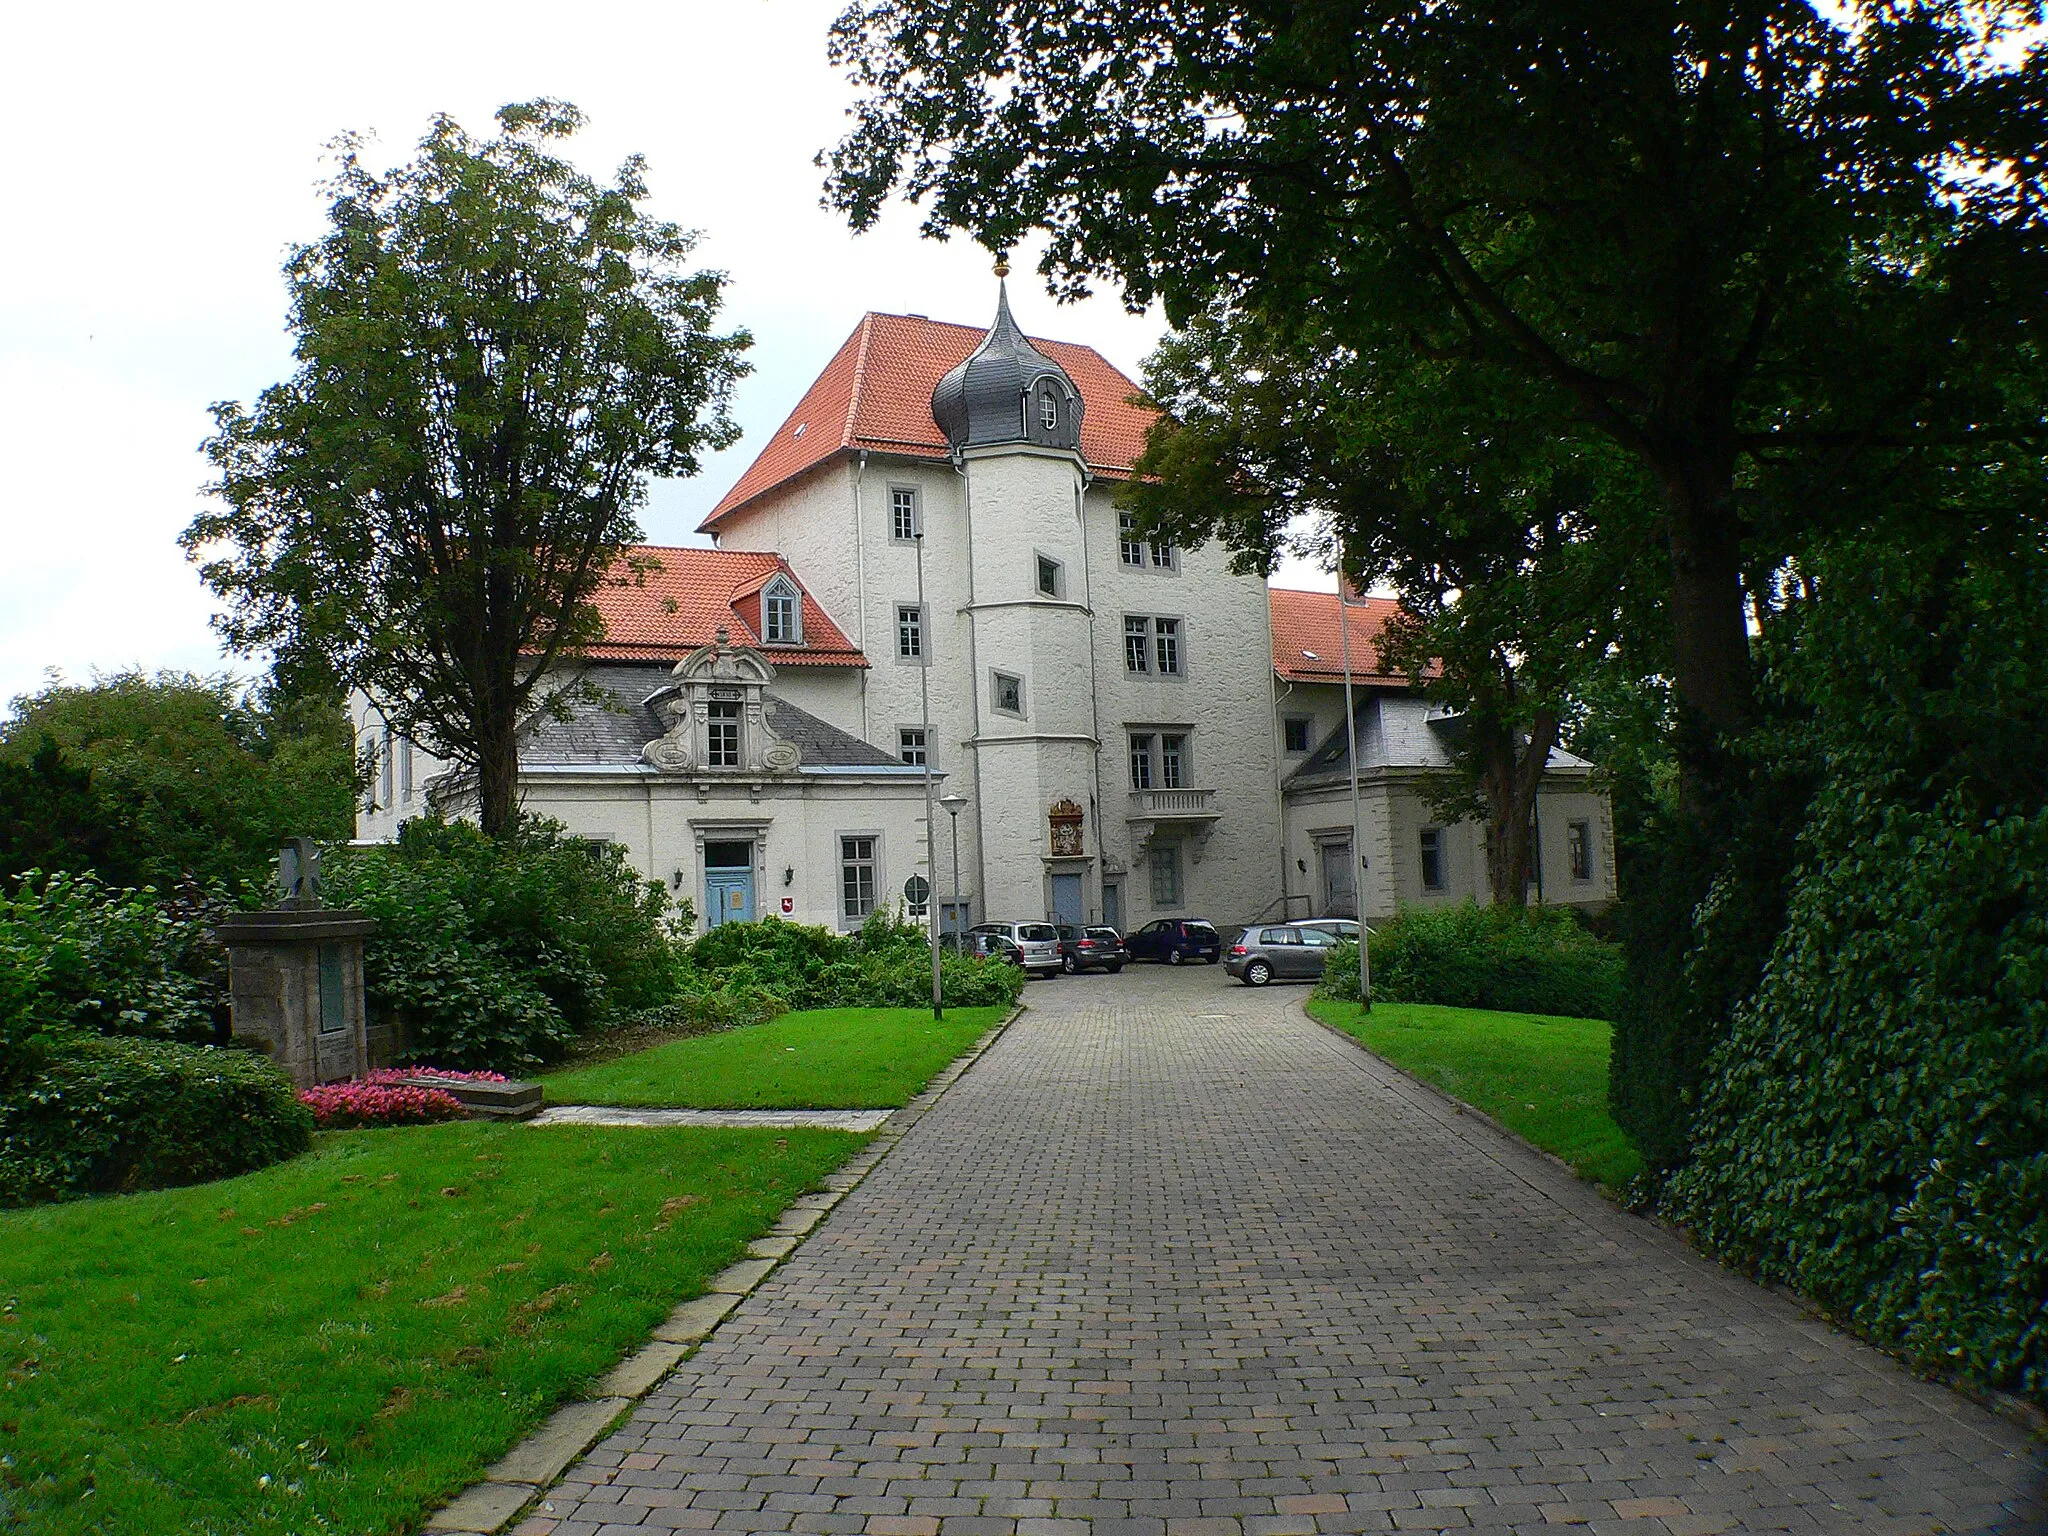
<point x="788" y="905"/>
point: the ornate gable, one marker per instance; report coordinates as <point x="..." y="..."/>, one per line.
<point x="716" y="721"/>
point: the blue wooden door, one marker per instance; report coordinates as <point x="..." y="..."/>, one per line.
<point x="1066" y="899"/>
<point x="728" y="884"/>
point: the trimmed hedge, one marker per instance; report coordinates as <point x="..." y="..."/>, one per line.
<point x="778" y="966"/>
<point x="1529" y="960"/>
<point x="107" y="1114"/>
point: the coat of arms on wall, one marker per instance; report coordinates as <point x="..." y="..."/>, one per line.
<point x="1066" y="818"/>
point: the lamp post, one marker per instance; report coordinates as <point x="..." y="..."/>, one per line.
<point x="1357" y="840"/>
<point x="931" y="830"/>
<point x="953" y="804"/>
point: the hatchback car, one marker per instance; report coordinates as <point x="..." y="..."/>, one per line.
<point x="1176" y="940"/>
<point x="1037" y="945"/>
<point x="1343" y="929"/>
<point x="1290" y="951"/>
<point x="1089" y="946"/>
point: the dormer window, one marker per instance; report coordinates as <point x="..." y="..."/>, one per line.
<point x="782" y="620"/>
<point x="1048" y="410"/>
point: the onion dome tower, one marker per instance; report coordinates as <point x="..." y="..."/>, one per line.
<point x="1007" y="391"/>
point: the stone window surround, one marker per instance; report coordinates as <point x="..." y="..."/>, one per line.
<point x="1040" y="560"/>
<point x="905" y="745"/>
<point x="1147" y="551"/>
<point x="1164" y="857"/>
<point x="996" y="678"/>
<point x="1153" y="755"/>
<point x="841" y="864"/>
<point x="916" y="509"/>
<point x="1432" y="851"/>
<point x="923" y="613"/>
<point x="1151" y="621"/>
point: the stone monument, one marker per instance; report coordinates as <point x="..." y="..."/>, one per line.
<point x="295" y="976"/>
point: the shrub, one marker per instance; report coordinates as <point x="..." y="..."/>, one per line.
<point x="347" y="1106"/>
<point x="1875" y="1130"/>
<point x="498" y="953"/>
<point x="886" y="964"/>
<point x="1535" y="960"/>
<point x="112" y="1114"/>
<point x="78" y="957"/>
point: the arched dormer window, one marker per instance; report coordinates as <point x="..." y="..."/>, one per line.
<point x="782" y="613"/>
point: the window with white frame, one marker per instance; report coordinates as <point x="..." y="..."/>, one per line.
<point x="405" y="768"/>
<point x="910" y="744"/>
<point x="1130" y="548"/>
<point x="1048" y="409"/>
<point x="1141" y="760"/>
<point x="1578" y="841"/>
<point x="1152" y="645"/>
<point x="1163" y="556"/>
<point x="1006" y="694"/>
<point x="1173" y="761"/>
<point x="1137" y="644"/>
<point x="906" y="517"/>
<point x="1165" y="870"/>
<point x="1432" y="841"/>
<point x="909" y="632"/>
<point x="857" y="877"/>
<point x="722" y="736"/>
<point x="782" y="620"/>
<point x="1052" y="577"/>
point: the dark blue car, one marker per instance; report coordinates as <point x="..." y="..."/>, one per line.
<point x="1176" y="940"/>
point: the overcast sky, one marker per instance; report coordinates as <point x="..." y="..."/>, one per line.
<point x="166" y="156"/>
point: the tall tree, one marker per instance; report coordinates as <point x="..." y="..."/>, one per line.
<point x="495" y="354"/>
<point x="1725" y="236"/>
<point x="1274" y="434"/>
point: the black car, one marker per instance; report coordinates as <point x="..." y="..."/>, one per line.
<point x="1176" y="940"/>
<point x="1089" y="946"/>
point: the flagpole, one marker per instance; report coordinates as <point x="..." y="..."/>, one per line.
<point x="1357" y="831"/>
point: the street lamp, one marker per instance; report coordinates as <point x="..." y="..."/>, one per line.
<point x="953" y="803"/>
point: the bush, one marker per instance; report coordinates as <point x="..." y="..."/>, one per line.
<point x="499" y="953"/>
<point x="886" y="964"/>
<point x="1533" y="960"/>
<point x="109" y="1114"/>
<point x="76" y="957"/>
<point x="1875" y="1130"/>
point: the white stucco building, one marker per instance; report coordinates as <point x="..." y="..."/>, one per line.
<point x="1135" y="731"/>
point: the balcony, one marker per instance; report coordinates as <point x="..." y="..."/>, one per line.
<point x="1174" y="805"/>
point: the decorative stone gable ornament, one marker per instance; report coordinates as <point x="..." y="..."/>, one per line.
<point x="1065" y="818"/>
<point x="714" y="715"/>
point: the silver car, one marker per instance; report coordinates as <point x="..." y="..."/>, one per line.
<point x="1284" y="951"/>
<point x="1037" y="945"/>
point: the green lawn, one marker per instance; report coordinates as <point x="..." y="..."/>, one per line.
<point x="1543" y="1078"/>
<point x="820" y="1058"/>
<point x="341" y="1342"/>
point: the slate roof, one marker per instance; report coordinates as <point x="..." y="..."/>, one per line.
<point x="601" y="735"/>
<point x="981" y="400"/>
<point x="1398" y="732"/>
<point x="1308" y="645"/>
<point x="876" y="393"/>
<point x="668" y="613"/>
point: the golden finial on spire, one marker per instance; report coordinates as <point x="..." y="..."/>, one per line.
<point x="1002" y="264"/>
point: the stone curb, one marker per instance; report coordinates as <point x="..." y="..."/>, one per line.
<point x="2014" y="1410"/>
<point x="535" y="1463"/>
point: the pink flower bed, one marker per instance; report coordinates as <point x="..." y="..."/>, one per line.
<point x="345" y="1106"/>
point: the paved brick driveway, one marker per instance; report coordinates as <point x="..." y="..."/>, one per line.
<point x="1172" y="1259"/>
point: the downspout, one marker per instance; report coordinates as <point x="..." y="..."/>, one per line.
<point x="1081" y="485"/>
<point x="860" y="587"/>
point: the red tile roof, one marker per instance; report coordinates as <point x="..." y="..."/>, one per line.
<point x="670" y="612"/>
<point x="876" y="393"/>
<point x="1308" y="646"/>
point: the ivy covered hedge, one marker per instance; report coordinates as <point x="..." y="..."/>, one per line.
<point x="1530" y="960"/>
<point x="105" y="1114"/>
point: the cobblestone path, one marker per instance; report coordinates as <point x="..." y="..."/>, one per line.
<point x="1173" y="1260"/>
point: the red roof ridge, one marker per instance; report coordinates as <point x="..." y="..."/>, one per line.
<point x="860" y="371"/>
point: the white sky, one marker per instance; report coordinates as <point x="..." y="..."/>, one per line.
<point x="166" y="156"/>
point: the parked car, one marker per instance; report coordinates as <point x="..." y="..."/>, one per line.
<point x="1086" y="946"/>
<point x="1343" y="929"/>
<point x="1176" y="940"/>
<point x="1037" y="944"/>
<point x="1289" y="951"/>
<point x="988" y="946"/>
